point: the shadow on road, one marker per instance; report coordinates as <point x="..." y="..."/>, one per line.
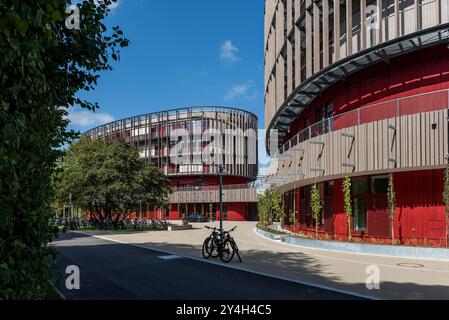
<point x="136" y="273"/>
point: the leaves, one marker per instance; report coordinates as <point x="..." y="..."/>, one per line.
<point x="446" y="190"/>
<point x="109" y="180"/>
<point x="391" y="199"/>
<point x="315" y="203"/>
<point x="347" y="202"/>
<point x="347" y="196"/>
<point x="271" y="207"/>
<point x="43" y="66"/>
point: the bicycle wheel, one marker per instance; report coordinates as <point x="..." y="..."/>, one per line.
<point x="227" y="251"/>
<point x="207" y="248"/>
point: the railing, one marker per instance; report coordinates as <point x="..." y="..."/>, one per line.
<point x="213" y="188"/>
<point x="425" y="102"/>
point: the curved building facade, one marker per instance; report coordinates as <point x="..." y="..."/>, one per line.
<point x="191" y="145"/>
<point x="360" y="89"/>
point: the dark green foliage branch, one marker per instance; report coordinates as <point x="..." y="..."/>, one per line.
<point x="109" y="180"/>
<point x="42" y="66"/>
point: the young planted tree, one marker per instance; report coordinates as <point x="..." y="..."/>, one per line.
<point x="43" y="66"/>
<point x="292" y="219"/>
<point x="446" y="200"/>
<point x="316" y="206"/>
<point x="347" y="204"/>
<point x="210" y="212"/>
<point x="262" y="208"/>
<point x="109" y="180"/>
<point x="391" y="199"/>
<point x="278" y="206"/>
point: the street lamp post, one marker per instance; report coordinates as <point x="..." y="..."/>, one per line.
<point x="220" y="178"/>
<point x="140" y="209"/>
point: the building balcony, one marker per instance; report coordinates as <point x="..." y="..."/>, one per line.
<point x="210" y="194"/>
<point x="403" y="134"/>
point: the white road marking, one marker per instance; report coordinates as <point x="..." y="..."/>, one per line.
<point x="170" y="257"/>
<point x="305" y="283"/>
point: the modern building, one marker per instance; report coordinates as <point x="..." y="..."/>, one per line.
<point x="191" y="146"/>
<point x="360" y="89"/>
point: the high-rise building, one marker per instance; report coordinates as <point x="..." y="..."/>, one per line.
<point x="360" y="89"/>
<point x="192" y="146"/>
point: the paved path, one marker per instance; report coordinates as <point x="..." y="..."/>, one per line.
<point x="109" y="270"/>
<point x="341" y="271"/>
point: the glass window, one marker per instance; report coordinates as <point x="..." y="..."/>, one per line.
<point x="329" y="189"/>
<point x="379" y="184"/>
<point x="359" y="186"/>
<point x="359" y="214"/>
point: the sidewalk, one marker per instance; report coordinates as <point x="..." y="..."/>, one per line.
<point x="419" y="279"/>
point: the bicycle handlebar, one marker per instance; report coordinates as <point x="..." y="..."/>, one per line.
<point x="215" y="228"/>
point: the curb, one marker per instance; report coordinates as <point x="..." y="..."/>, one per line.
<point x="436" y="254"/>
<point x="304" y="283"/>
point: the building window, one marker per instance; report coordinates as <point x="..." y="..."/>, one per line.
<point x="329" y="189"/>
<point x="359" y="214"/>
<point x="359" y="186"/>
<point x="359" y="192"/>
<point x="379" y="184"/>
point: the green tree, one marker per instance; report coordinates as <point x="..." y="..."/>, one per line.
<point x="292" y="219"/>
<point x="391" y="199"/>
<point x="109" y="180"/>
<point x="347" y="202"/>
<point x="262" y="208"/>
<point x="316" y="206"/>
<point x="43" y="65"/>
<point x="278" y="206"/>
<point x="446" y="199"/>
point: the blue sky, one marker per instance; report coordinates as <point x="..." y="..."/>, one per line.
<point x="181" y="53"/>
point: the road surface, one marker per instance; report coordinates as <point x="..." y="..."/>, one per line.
<point x="110" y="270"/>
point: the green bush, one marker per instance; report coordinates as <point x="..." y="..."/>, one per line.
<point x="42" y="67"/>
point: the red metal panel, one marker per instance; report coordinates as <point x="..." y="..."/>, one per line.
<point x="420" y="72"/>
<point x="340" y="229"/>
<point x="420" y="211"/>
<point x="377" y="217"/>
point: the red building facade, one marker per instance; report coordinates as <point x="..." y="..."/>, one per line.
<point x="373" y="109"/>
<point x="191" y="146"/>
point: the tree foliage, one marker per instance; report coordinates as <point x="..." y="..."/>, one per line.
<point x="42" y="67"/>
<point x="109" y="180"/>
<point x="446" y="198"/>
<point x="391" y="199"/>
<point x="271" y="207"/>
<point x="347" y="203"/>
<point x="292" y="219"/>
<point x="316" y="206"/>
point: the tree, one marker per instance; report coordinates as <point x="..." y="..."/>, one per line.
<point x="43" y="65"/>
<point x="316" y="206"/>
<point x="262" y="209"/>
<point x="109" y="180"/>
<point x="446" y="200"/>
<point x="292" y="219"/>
<point x="347" y="201"/>
<point x="391" y="199"/>
<point x="278" y="206"/>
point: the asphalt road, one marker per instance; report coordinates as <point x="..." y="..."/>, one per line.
<point x="109" y="270"/>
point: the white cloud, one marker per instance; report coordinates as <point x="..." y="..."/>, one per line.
<point x="243" y="90"/>
<point x="86" y="118"/>
<point x="112" y="6"/>
<point x="229" y="52"/>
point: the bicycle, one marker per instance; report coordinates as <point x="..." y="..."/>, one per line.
<point x="225" y="247"/>
<point x="211" y="244"/>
